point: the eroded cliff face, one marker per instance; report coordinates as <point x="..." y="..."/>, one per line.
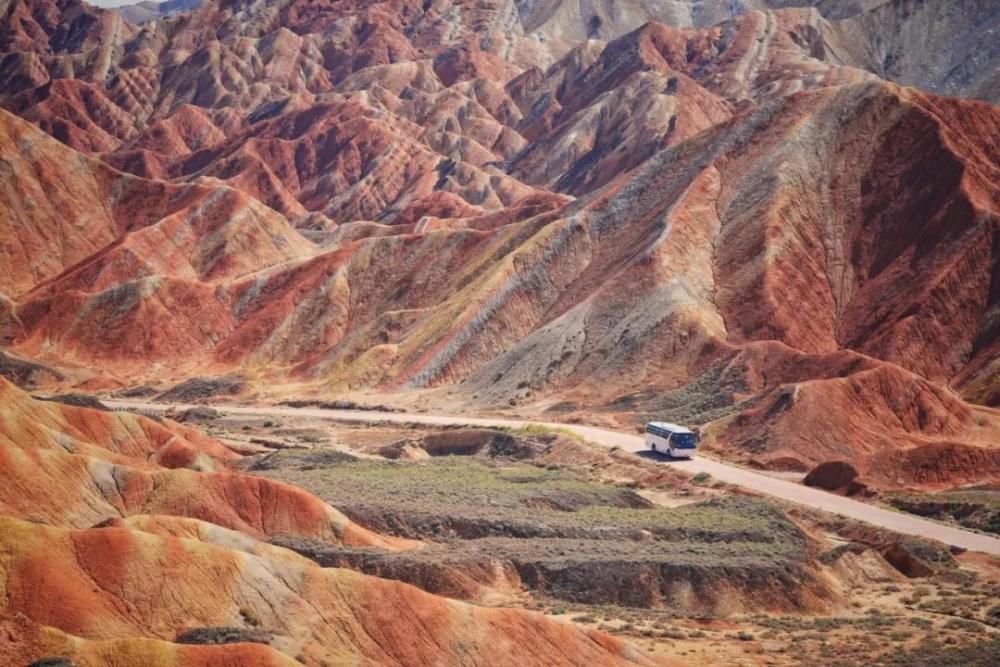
<point x="439" y="196"/>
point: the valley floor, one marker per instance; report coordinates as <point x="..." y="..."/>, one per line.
<point x="796" y="493"/>
<point x="537" y="517"/>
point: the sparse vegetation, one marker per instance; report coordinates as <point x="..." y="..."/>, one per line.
<point x="702" y="478"/>
<point x="221" y="636"/>
<point x="961" y="624"/>
<point x="706" y="398"/>
<point x="546" y="430"/>
<point x="562" y="503"/>
<point x="833" y="555"/>
<point x="933" y="653"/>
<point x="556" y="526"/>
<point x="993" y="614"/>
<point x="978" y="510"/>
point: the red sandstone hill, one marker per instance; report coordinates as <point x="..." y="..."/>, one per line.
<point x="444" y="197"/>
<point x="114" y="587"/>
<point x="895" y="428"/>
<point x="108" y="551"/>
<point x="64" y="210"/>
<point x="726" y="213"/>
<point x="77" y="467"/>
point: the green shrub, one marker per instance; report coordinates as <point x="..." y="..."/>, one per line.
<point x="961" y="624"/>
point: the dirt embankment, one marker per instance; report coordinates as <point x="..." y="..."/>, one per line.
<point x="503" y="511"/>
<point x="975" y="509"/>
<point x="202" y="388"/>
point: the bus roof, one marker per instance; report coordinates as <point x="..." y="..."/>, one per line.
<point x="671" y="427"/>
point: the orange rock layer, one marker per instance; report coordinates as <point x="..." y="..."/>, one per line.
<point x="107" y="556"/>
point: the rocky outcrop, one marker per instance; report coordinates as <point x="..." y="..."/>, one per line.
<point x="25" y="373"/>
<point x="886" y="426"/>
<point x="198" y="389"/>
<point x="637" y="580"/>
<point x="834" y="476"/>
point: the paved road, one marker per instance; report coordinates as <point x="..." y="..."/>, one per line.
<point x="796" y="493"/>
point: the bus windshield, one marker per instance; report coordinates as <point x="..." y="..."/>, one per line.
<point x="684" y="440"/>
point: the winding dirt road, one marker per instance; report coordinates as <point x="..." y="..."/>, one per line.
<point x="796" y="493"/>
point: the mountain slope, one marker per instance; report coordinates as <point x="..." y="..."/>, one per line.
<point x="430" y="198"/>
<point x="122" y="226"/>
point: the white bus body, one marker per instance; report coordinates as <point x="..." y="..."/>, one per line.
<point x="671" y="439"/>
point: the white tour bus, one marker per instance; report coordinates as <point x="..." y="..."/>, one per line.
<point x="671" y="439"/>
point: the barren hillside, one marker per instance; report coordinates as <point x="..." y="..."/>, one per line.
<point x="521" y="205"/>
